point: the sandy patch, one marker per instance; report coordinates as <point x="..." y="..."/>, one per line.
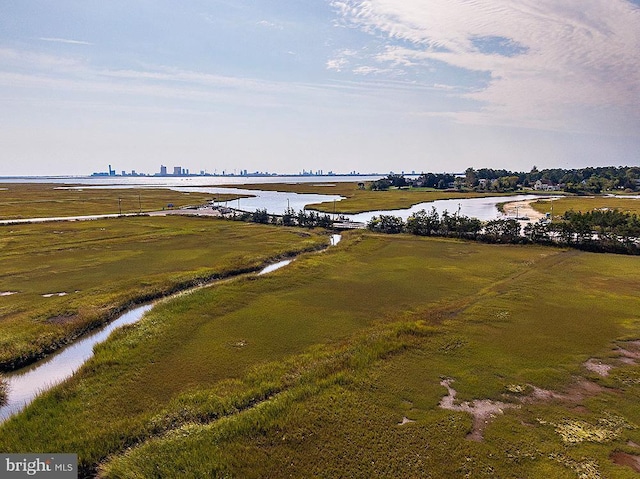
<point x="575" y="393"/>
<point x="405" y="420"/>
<point x="521" y="209"/>
<point x="50" y="295"/>
<point x="482" y="410"/>
<point x="598" y="367"/>
<point x="630" y="352"/>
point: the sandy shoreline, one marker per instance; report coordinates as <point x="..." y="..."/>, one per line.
<point x="521" y="209"/>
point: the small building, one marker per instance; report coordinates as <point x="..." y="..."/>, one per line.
<point x="545" y="185"/>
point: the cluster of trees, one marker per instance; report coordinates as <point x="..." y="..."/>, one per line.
<point x="582" y="180"/>
<point x="397" y="181"/>
<point x="307" y="219"/>
<point x="603" y="231"/>
<point x="579" y="181"/>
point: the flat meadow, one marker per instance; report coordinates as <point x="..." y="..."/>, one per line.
<point x="42" y="200"/>
<point x="340" y="365"/>
<point x="60" y="279"/>
<point x="587" y="203"/>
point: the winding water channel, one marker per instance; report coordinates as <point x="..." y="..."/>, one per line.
<point x="25" y="384"/>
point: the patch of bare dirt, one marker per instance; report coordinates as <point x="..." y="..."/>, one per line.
<point x="628" y="353"/>
<point x="405" y="420"/>
<point x="596" y="366"/>
<point x="624" y="459"/>
<point x="575" y="393"/>
<point x="482" y="410"/>
<point x="631" y="351"/>
<point x="62" y="319"/>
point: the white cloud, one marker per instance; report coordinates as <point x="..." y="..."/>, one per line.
<point x="64" y="40"/>
<point x="552" y="60"/>
<point x="268" y="24"/>
<point x="12" y="58"/>
<point x="337" y="64"/>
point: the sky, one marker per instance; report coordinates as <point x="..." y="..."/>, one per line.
<point x="333" y="85"/>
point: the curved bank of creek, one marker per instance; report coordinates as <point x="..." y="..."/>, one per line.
<point x="25" y="384"/>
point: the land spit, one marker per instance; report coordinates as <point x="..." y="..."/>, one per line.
<point x="521" y="209"/>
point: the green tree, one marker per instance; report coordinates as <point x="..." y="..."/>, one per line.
<point x="386" y="224"/>
<point x="422" y="223"/>
<point x="260" y="216"/>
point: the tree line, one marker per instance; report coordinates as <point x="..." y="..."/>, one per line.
<point x="579" y="181"/>
<point x="303" y="218"/>
<point x="610" y="231"/>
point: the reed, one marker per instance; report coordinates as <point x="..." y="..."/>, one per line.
<point x="71" y="277"/>
<point x="310" y="371"/>
<point x="38" y="200"/>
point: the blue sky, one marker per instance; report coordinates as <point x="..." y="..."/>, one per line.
<point x="342" y="85"/>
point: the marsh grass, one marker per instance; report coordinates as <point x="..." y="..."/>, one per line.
<point x="102" y="267"/>
<point x="587" y="203"/>
<point x="309" y="371"/>
<point x="38" y="200"/>
<point x="3" y="390"/>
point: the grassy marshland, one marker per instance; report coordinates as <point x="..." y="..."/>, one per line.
<point x="358" y="200"/>
<point x="3" y="391"/>
<point x="309" y="371"/>
<point x="60" y="279"/>
<point x="587" y="203"/>
<point x="36" y="200"/>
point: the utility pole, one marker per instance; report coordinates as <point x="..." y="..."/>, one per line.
<point x="120" y="205"/>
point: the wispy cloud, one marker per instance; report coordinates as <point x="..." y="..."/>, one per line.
<point x="268" y="24"/>
<point x="64" y="40"/>
<point x="36" y="75"/>
<point x="547" y="61"/>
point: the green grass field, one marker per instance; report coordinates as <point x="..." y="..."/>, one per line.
<point x="38" y="200"/>
<point x="60" y="279"/>
<point x="587" y="203"/>
<point x="310" y="371"/>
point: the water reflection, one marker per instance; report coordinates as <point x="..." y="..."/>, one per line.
<point x="276" y="266"/>
<point x="27" y="383"/>
<point x="484" y="209"/>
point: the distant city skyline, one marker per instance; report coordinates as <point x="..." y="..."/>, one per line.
<point x="174" y="171"/>
<point x="334" y="85"/>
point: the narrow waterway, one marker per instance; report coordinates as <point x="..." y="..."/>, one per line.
<point x="25" y="384"/>
<point x="484" y="209"/>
